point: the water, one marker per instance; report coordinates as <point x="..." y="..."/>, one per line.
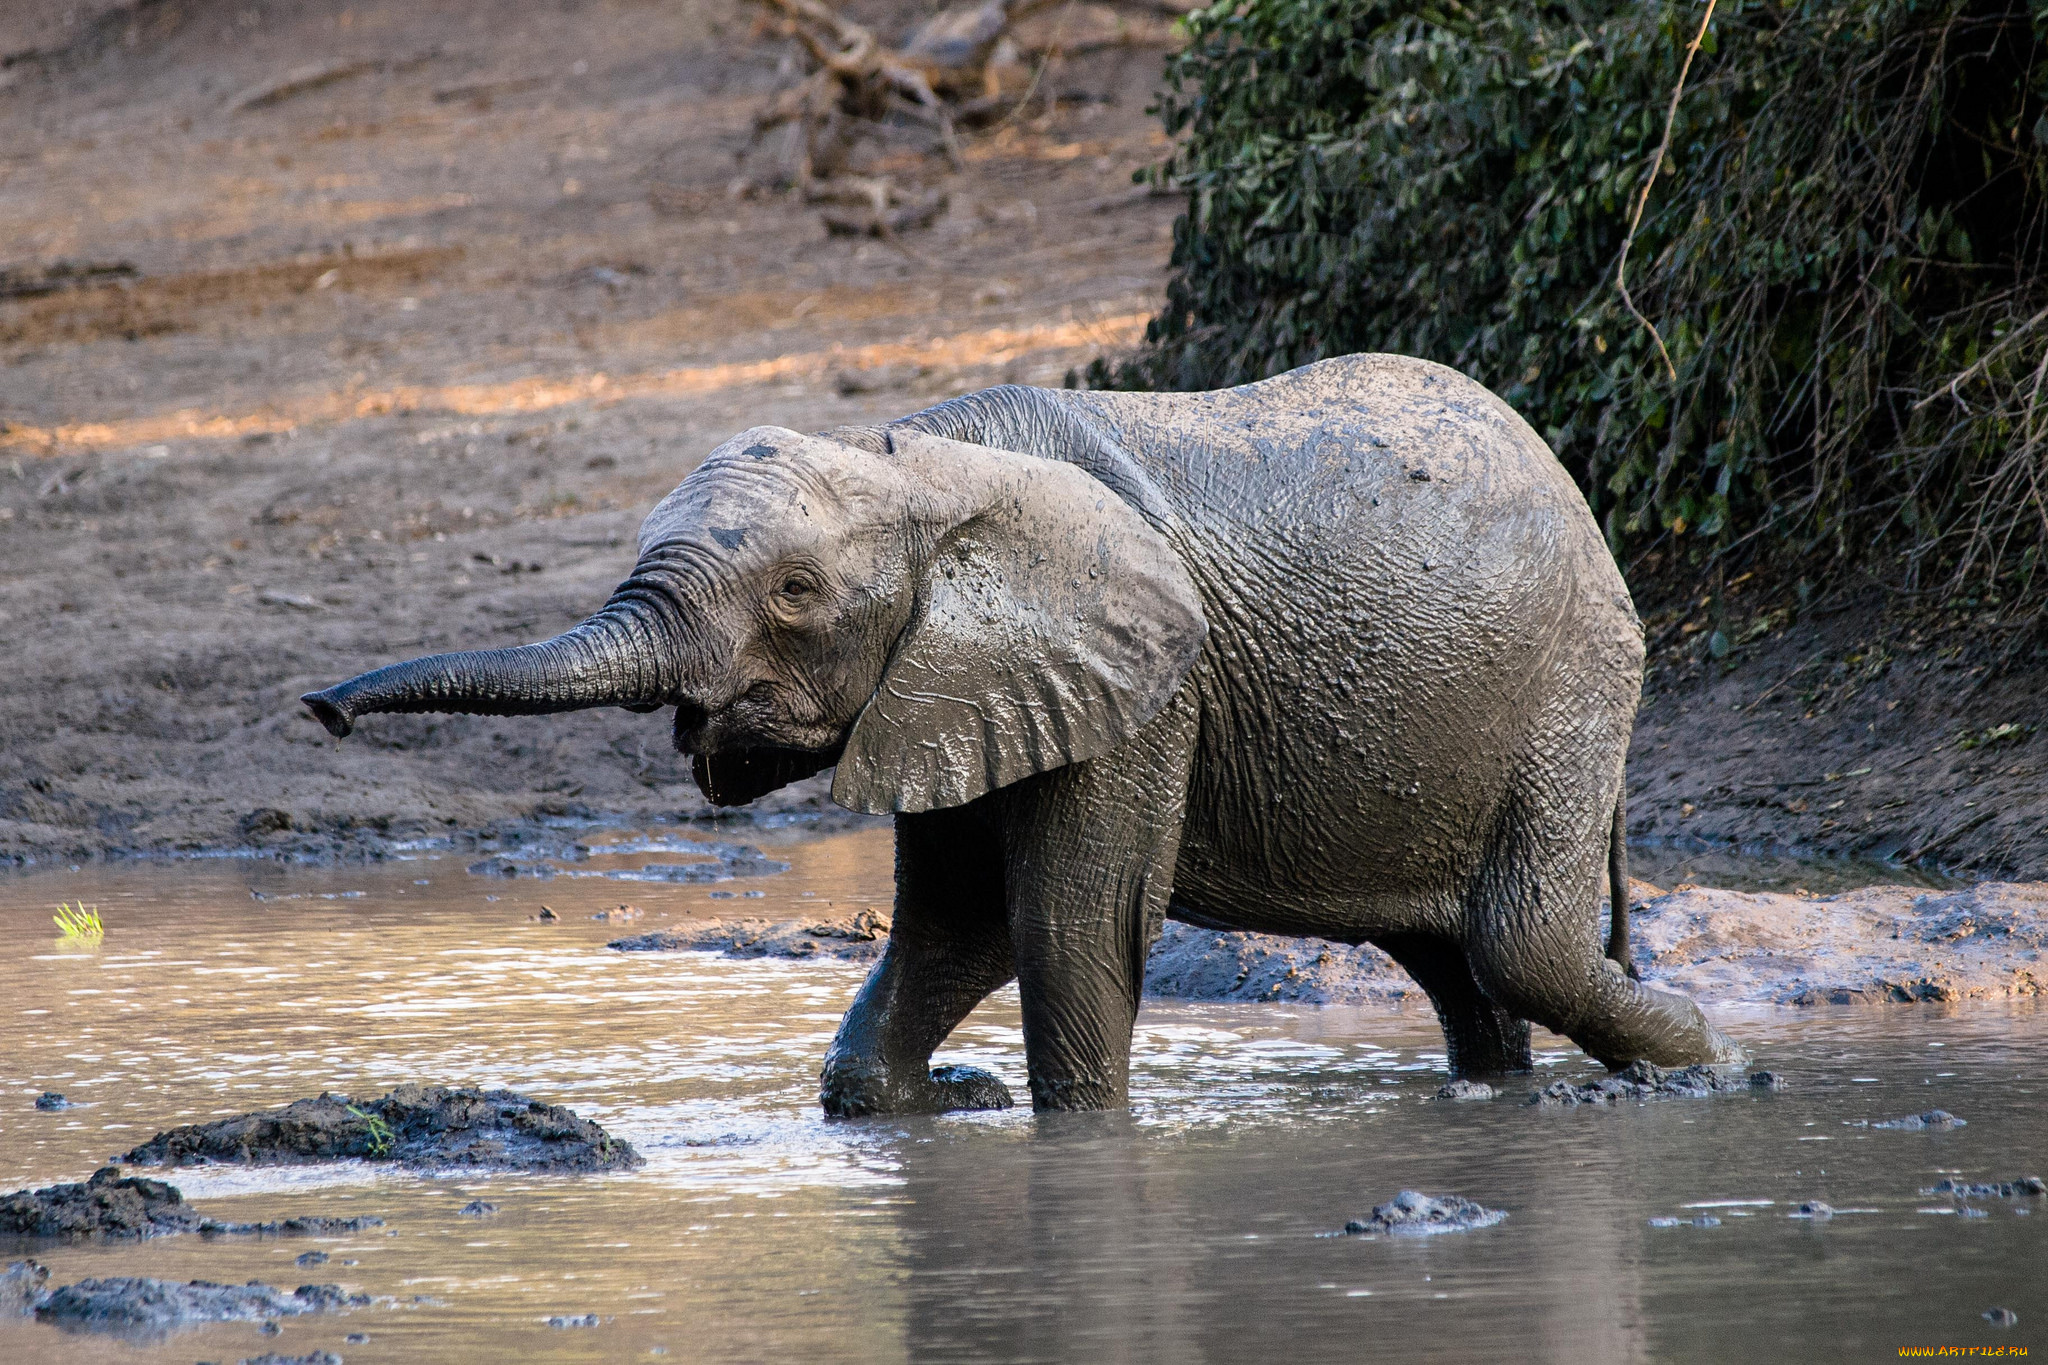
<point x="758" y="1231"/>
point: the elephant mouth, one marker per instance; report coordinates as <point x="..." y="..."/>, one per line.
<point x="734" y="777"/>
<point x="734" y="766"/>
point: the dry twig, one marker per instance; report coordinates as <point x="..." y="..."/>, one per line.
<point x="1635" y="219"/>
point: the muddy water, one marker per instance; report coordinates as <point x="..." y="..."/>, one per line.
<point x="1185" y="1230"/>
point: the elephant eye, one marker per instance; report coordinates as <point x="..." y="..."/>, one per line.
<point x="795" y="587"/>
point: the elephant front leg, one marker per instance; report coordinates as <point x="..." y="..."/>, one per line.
<point x="1090" y="861"/>
<point x="949" y="946"/>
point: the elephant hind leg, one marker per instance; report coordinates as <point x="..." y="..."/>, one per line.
<point x="1534" y="944"/>
<point x="1483" y="1039"/>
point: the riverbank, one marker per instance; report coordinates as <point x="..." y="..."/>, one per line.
<point x="396" y="364"/>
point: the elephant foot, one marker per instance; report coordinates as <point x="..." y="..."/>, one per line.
<point x="848" y="1092"/>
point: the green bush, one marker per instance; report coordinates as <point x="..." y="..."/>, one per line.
<point x="1844" y="252"/>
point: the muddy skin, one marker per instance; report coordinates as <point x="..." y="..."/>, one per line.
<point x="112" y="1206"/>
<point x="1340" y="654"/>
<point x="1414" y="1214"/>
<point x="143" y="1310"/>
<point x="412" y="1126"/>
<point x="1646" y="1081"/>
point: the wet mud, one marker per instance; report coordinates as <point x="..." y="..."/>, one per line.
<point x="1934" y="1120"/>
<point x="419" y="1126"/>
<point x="2025" y="1186"/>
<point x="852" y="938"/>
<point x="1873" y="945"/>
<point x="113" y="1206"/>
<point x="1414" y="1214"/>
<point x="1647" y="1081"/>
<point x="1876" y="945"/>
<point x="142" y="1309"/>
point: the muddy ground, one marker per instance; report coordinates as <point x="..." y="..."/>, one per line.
<point x="395" y="360"/>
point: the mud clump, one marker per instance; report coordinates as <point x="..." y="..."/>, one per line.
<point x="854" y="938"/>
<point x="107" y="1205"/>
<point x="144" y="1309"/>
<point x="1188" y="963"/>
<point x="420" y="1126"/>
<point x="1414" y="1214"/>
<point x="1876" y="945"/>
<point x="1462" y="1089"/>
<point x="116" y="1207"/>
<point x="2003" y="1189"/>
<point x="1648" y="1081"/>
<point x="1934" y="1120"/>
<point x="23" y="1285"/>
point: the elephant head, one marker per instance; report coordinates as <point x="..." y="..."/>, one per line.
<point x="938" y="618"/>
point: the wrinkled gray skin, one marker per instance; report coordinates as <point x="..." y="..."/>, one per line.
<point x="1340" y="654"/>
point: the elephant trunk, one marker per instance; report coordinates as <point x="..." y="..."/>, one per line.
<point x="626" y="655"/>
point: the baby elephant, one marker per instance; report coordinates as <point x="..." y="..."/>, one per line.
<point x="1338" y="654"/>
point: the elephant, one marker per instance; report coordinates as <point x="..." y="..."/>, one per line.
<point x="1341" y="653"/>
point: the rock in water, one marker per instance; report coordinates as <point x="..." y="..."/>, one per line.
<point x="111" y="1205"/>
<point x="1939" y="1120"/>
<point x="856" y="938"/>
<point x="310" y="1358"/>
<point x="1462" y="1089"/>
<point x="1411" y="1213"/>
<point x="2003" y="1189"/>
<point x="143" y="1308"/>
<point x="51" y="1100"/>
<point x="23" y="1285"/>
<point x="414" y="1125"/>
<point x="1188" y="963"/>
<point x="1648" y="1081"/>
<point x="2001" y="1317"/>
<point x="108" y="1205"/>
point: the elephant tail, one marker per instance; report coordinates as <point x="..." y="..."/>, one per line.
<point x="1617" y="884"/>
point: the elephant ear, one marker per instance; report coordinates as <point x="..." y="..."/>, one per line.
<point x="1051" y="622"/>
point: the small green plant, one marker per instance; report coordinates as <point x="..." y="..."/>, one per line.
<point x="1994" y="735"/>
<point x="380" y="1131"/>
<point x="80" y="921"/>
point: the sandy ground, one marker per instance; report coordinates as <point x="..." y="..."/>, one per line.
<point x="404" y="358"/>
<point x="393" y="361"/>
